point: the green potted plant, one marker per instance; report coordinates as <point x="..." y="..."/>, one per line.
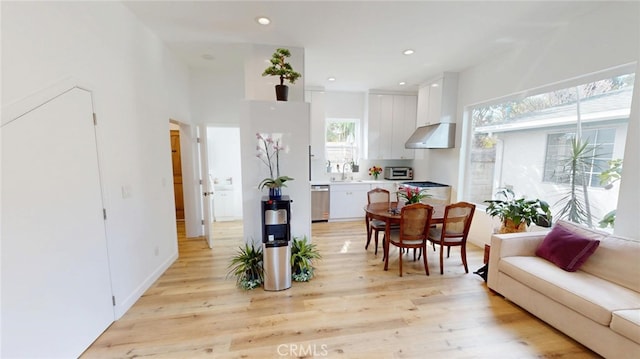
<point x="517" y="213"/>
<point x="269" y="152"/>
<point x="246" y="266"/>
<point x="412" y="195"/>
<point x="279" y="67"/>
<point x="303" y="254"/>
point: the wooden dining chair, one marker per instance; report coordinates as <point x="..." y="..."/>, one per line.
<point x="375" y="226"/>
<point x="453" y="231"/>
<point x="415" y="221"/>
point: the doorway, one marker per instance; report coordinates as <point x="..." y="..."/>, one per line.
<point x="185" y="178"/>
<point x="177" y="173"/>
<point x="225" y="172"/>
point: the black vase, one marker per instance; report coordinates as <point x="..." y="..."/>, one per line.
<point x="282" y="92"/>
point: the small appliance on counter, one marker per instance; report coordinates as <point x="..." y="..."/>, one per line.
<point x="398" y="173"/>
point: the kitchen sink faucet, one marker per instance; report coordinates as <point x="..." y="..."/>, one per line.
<point x="344" y="166"/>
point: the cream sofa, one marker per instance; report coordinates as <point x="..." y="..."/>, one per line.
<point x="598" y="305"/>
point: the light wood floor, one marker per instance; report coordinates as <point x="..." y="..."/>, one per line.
<point x="351" y="309"/>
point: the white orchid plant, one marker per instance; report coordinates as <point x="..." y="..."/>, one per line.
<point x="268" y="151"/>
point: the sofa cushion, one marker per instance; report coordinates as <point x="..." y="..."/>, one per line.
<point x="566" y="249"/>
<point x="593" y="297"/>
<point x="582" y="230"/>
<point x="616" y="260"/>
<point x="627" y="323"/>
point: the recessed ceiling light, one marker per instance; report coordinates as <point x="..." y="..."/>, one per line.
<point x="435" y="84"/>
<point x="407" y="52"/>
<point x="263" y="20"/>
<point x="402" y="83"/>
<point x="331" y="79"/>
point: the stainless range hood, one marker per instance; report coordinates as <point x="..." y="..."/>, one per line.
<point x="439" y="135"/>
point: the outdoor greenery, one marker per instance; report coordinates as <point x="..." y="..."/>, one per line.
<point x="303" y="254"/>
<point x="519" y="210"/>
<point x="574" y="204"/>
<point x="246" y="266"/>
<point x="612" y="174"/>
<point x="607" y="178"/>
<point x="608" y="220"/>
<point x="518" y="109"/>
<point x="340" y="131"/>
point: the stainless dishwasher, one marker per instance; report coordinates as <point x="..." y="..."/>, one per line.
<point x="319" y="203"/>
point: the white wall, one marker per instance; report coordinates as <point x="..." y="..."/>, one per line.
<point x="138" y="86"/>
<point x="627" y="223"/>
<point x="604" y="38"/>
<point x="291" y="119"/>
<point x="217" y="94"/>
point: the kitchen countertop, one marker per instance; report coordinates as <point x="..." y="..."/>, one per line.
<point x="355" y="181"/>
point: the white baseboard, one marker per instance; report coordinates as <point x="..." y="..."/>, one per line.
<point x="123" y="306"/>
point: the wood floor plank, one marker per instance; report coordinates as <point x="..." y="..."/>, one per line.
<point x="351" y="309"/>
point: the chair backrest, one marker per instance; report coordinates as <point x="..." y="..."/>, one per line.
<point x="378" y="195"/>
<point x="415" y="220"/>
<point x="457" y="220"/>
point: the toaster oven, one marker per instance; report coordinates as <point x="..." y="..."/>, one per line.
<point x="398" y="173"/>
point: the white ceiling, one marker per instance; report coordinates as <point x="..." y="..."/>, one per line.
<point x="360" y="43"/>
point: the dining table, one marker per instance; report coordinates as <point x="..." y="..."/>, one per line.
<point x="389" y="213"/>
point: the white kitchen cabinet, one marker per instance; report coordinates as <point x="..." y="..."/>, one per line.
<point x="224" y="205"/>
<point x="404" y="123"/>
<point x="380" y="126"/>
<point x="392" y="119"/>
<point x="390" y="186"/>
<point x="318" y="116"/>
<point x="347" y="201"/>
<point x="437" y="100"/>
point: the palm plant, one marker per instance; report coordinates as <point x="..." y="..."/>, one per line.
<point x="303" y="254"/>
<point x="574" y="203"/>
<point x="246" y="266"/>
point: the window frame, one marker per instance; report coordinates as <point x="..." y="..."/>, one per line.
<point x="464" y="182"/>
<point x="355" y="148"/>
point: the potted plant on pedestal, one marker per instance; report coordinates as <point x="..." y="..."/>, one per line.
<point x="269" y="149"/>
<point x="279" y="67"/>
<point x="516" y="214"/>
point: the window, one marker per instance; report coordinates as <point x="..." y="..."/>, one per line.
<point x="522" y="142"/>
<point x="341" y="142"/>
<point x="598" y="153"/>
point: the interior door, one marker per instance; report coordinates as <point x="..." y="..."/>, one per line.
<point x="177" y="174"/>
<point x="206" y="186"/>
<point x="56" y="287"/>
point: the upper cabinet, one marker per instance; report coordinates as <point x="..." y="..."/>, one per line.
<point x="437" y="100"/>
<point x="392" y="119"/>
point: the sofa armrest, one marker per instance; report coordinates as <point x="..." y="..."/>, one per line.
<point x="509" y="245"/>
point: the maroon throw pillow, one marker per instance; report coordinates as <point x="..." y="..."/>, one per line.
<point x="566" y="249"/>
